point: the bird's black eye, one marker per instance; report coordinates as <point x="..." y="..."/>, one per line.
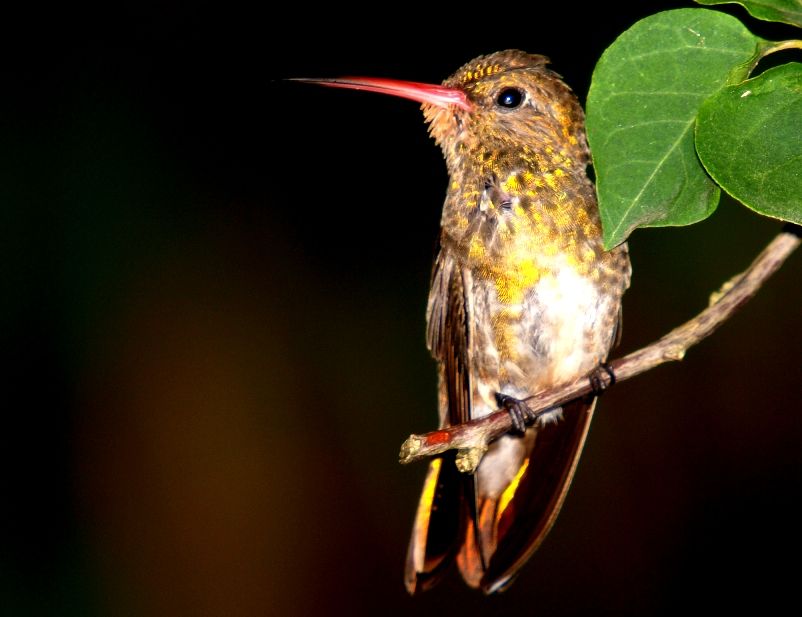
<point x="510" y="98"/>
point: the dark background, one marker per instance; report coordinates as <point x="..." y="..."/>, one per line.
<point x="212" y="322"/>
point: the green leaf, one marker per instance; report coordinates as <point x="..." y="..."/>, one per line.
<point x="646" y="91"/>
<point x="749" y="137"/>
<point x="786" y="11"/>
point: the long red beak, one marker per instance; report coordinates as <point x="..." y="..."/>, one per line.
<point x="423" y="93"/>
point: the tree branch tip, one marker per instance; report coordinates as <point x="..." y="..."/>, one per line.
<point x="793" y="229"/>
<point x="409" y="449"/>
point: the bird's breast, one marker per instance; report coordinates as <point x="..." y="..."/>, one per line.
<point x="542" y="322"/>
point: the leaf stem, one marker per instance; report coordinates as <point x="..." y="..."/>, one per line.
<point x="781" y="46"/>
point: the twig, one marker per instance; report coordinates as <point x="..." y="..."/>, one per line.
<point x="472" y="438"/>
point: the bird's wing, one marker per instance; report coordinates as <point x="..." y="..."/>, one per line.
<point x="448" y="338"/>
<point x="440" y="519"/>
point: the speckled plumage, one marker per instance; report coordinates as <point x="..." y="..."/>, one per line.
<point x="523" y="297"/>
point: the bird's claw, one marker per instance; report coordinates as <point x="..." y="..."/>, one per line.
<point x="601" y="378"/>
<point x="519" y="411"/>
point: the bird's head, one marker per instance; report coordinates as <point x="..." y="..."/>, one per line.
<point x="494" y="107"/>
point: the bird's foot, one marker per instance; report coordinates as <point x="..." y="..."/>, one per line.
<point x="601" y="378"/>
<point x="519" y="411"/>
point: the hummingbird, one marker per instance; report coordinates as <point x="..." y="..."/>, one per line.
<point x="523" y="297"/>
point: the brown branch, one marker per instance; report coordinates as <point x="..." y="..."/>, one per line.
<point x="472" y="438"/>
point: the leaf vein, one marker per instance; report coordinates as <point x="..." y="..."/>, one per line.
<point x="652" y="175"/>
